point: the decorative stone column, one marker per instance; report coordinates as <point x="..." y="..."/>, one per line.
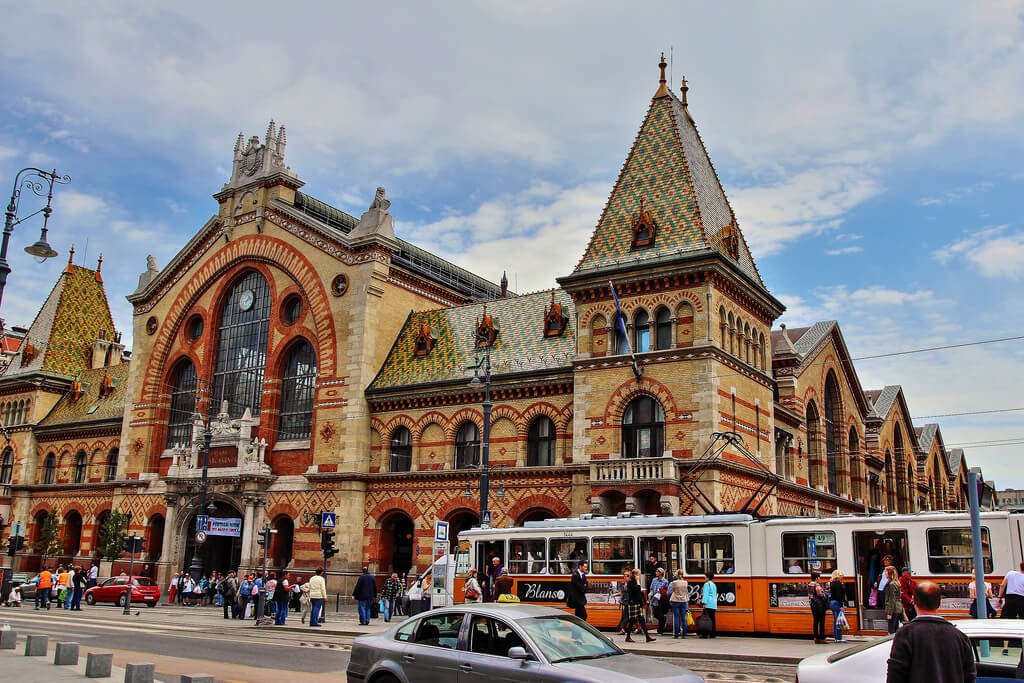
<point x="252" y="501"/>
<point x="168" y="558"/>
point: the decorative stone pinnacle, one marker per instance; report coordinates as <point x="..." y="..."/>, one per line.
<point x="662" y="87"/>
<point x="684" y="89"/>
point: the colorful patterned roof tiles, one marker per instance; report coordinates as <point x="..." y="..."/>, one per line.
<point x="90" y="406"/>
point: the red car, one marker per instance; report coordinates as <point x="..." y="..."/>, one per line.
<point x="114" y="590"/>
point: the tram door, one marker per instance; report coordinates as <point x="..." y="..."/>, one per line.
<point x="665" y="548"/>
<point x="874" y="551"/>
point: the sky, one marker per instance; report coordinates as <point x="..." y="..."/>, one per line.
<point x="871" y="151"/>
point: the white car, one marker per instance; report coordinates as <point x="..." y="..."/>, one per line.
<point x="997" y="650"/>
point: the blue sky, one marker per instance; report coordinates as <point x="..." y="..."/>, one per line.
<point x="871" y="151"/>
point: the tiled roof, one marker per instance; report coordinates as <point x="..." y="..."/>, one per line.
<point x="813" y="336"/>
<point x="669" y="168"/>
<point x="90" y="406"/>
<point x="955" y="456"/>
<point x="69" y="321"/>
<point x="521" y="345"/>
<point x="883" y="399"/>
<point x="926" y="435"/>
<point x="782" y="340"/>
<point x="10" y="344"/>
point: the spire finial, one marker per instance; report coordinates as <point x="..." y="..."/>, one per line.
<point x="71" y="258"/>
<point x="99" y="263"/>
<point x="685" y="89"/>
<point x="663" y="88"/>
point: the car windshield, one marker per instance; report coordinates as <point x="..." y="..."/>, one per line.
<point x="143" y="582"/>
<point x="564" y="638"/>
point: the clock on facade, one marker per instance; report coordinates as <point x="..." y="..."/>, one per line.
<point x="245" y="299"/>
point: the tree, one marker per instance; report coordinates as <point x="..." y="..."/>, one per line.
<point x="48" y="539"/>
<point x="111" y="534"/>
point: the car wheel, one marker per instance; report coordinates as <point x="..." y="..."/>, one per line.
<point x="385" y="678"/>
<point x="90" y="599"/>
<point x="123" y="600"/>
<point x="150" y="604"/>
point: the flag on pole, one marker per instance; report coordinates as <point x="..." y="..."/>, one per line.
<point x="620" y="327"/>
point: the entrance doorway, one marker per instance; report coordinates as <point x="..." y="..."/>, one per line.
<point x="218" y="553"/>
<point x="665" y="549"/>
<point x="874" y="551"/>
<point x="397" y="536"/>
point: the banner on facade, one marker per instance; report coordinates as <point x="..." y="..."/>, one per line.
<point x="223" y="526"/>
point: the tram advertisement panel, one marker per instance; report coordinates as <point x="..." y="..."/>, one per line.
<point x="606" y="592"/>
<point x="794" y="594"/>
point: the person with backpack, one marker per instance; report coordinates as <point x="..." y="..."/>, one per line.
<point x="282" y="594"/>
<point x="244" y="591"/>
<point x="818" y="602"/>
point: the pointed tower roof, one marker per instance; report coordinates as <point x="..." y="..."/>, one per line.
<point x="669" y="175"/>
<point x="70" y="320"/>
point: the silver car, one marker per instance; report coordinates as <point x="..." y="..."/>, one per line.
<point x="492" y="643"/>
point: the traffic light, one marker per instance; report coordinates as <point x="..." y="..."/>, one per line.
<point x="132" y="544"/>
<point x="14" y="544"/>
<point x="327" y="543"/>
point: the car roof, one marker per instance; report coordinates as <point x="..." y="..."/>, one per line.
<point x="507" y="610"/>
<point x="1011" y="628"/>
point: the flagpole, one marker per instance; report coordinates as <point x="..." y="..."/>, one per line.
<point x="620" y="322"/>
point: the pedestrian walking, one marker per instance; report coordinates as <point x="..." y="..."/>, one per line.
<point x="43" y="588"/>
<point x="304" y="601"/>
<point x="679" y="600"/>
<point x="365" y="592"/>
<point x="893" y="599"/>
<point x="317" y="596"/>
<point x="172" y="590"/>
<point x="1011" y="594"/>
<point x="472" y="592"/>
<point x="578" y="585"/>
<point x="837" y="603"/>
<point x="389" y="595"/>
<point x="294" y="601"/>
<point x="709" y="598"/>
<point x="907" y="586"/>
<point x="181" y="589"/>
<point x="61" y="586"/>
<point x="930" y="649"/>
<point x="229" y="595"/>
<point x="94" y="575"/>
<point x="990" y="611"/>
<point x="282" y="594"/>
<point x="658" y="592"/>
<point x="623" y="596"/>
<point x="78" y="589"/>
<point x="635" y="608"/>
<point x="244" y="591"/>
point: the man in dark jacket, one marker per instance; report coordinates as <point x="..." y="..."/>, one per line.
<point x="930" y="649"/>
<point x="365" y="593"/>
<point x="578" y="591"/>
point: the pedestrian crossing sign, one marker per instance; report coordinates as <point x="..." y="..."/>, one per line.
<point x="328" y="520"/>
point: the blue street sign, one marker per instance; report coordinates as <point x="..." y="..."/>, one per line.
<point x="202" y="523"/>
<point x="328" y="520"/>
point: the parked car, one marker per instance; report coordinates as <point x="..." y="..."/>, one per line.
<point x="997" y="651"/>
<point x="26" y="585"/>
<point x="496" y="643"/>
<point x="143" y="589"/>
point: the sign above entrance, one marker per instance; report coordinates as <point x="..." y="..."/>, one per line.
<point x="328" y="520"/>
<point x="222" y="526"/>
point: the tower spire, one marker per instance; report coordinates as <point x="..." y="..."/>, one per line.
<point x="71" y="259"/>
<point x="663" y="87"/>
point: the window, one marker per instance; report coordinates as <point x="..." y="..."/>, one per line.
<point x="565" y="553"/>
<point x="297" y="387"/>
<point x="620" y="343"/>
<point x="527" y="557"/>
<point x="242" y="347"/>
<point x="612" y="555"/>
<point x="441" y="630"/>
<point x="810" y="550"/>
<point x="401" y="450"/>
<point x="541" y="443"/>
<point x="950" y="551"/>
<point x="112" y="464"/>
<point x="642" y="332"/>
<point x="643" y="426"/>
<point x="833" y="434"/>
<point x="6" y="466"/>
<point x="709" y="552"/>
<point x="467" y="447"/>
<point x="194" y="327"/>
<point x="663" y="329"/>
<point x="813" y="445"/>
<point x="997" y="659"/>
<point x="291" y="309"/>
<point x="80" y="467"/>
<point x="405" y="631"/>
<point x="488" y="636"/>
<point x="50" y="469"/>
<point x="562" y="638"/>
<point x="183" y="405"/>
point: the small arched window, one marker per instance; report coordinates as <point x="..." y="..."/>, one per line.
<point x="620" y="342"/>
<point x="642" y="332"/>
<point x="748" y="343"/>
<point x="6" y="466"/>
<point x="663" y="328"/>
<point x="112" y="459"/>
<point x="643" y="428"/>
<point x="297" y="387"/>
<point x="183" y="405"/>
<point x="541" y="443"/>
<point x="724" y="324"/>
<point x="467" y="446"/>
<point x="401" y="450"/>
<point x="764" y="352"/>
<point x="732" y="334"/>
<point x="80" y="462"/>
<point x="50" y="468"/>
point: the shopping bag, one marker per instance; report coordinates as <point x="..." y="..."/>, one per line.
<point x="842" y="622"/>
<point x="873" y="598"/>
<point x="690" y="622"/>
<point x="248" y="611"/>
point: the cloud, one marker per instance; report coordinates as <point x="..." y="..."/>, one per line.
<point x="843" y="251"/>
<point x="993" y="252"/>
<point x="76" y="204"/>
<point x="955" y="194"/>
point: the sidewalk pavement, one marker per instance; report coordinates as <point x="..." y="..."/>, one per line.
<point x="17" y="667"/>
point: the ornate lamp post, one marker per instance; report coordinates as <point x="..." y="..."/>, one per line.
<point x="484" y="342"/>
<point x="196" y="568"/>
<point x="41" y="187"/>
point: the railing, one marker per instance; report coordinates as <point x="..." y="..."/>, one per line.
<point x="634" y="469"/>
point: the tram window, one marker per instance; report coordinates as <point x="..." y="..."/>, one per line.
<point x="950" y="551"/>
<point x="612" y="555"/>
<point x="809" y="550"/>
<point x="566" y="553"/>
<point x="710" y="551"/>
<point x="526" y="557"/>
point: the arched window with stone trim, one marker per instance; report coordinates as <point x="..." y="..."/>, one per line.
<point x="297" y="387"/>
<point x="467" y="446"/>
<point x="80" y="466"/>
<point x="857" y="475"/>
<point x="183" y="404"/>
<point x="400" y="459"/>
<point x="112" y="459"/>
<point x="764" y="352"/>
<point x="833" y="433"/>
<point x="620" y="341"/>
<point x="813" y="420"/>
<point x="748" y="344"/>
<point x="724" y="327"/>
<point x="540" y="442"/>
<point x="732" y="334"/>
<point x="641" y="332"/>
<point x="6" y="466"/>
<point x="643" y="428"/>
<point x="50" y="469"/>
<point x="662" y="329"/>
<point x="242" y="346"/>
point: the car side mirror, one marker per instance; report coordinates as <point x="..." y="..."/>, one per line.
<point x="519" y="653"/>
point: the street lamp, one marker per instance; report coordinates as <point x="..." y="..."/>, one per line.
<point x="41" y="187"/>
<point x="482" y="341"/>
<point x="196" y="568"/>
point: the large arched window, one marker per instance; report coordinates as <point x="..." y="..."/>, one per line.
<point x="833" y="435"/>
<point x="467" y="446"/>
<point x="663" y="329"/>
<point x="183" y="405"/>
<point x="642" y="332"/>
<point x="80" y="461"/>
<point x="813" y="420"/>
<point x="856" y="465"/>
<point x="50" y="469"/>
<point x="297" y="386"/>
<point x="401" y="450"/>
<point x="112" y="458"/>
<point x="643" y="428"/>
<point x="6" y="466"/>
<point x="541" y="443"/>
<point x="242" y="347"/>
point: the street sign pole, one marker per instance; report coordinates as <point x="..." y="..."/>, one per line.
<point x="133" y="542"/>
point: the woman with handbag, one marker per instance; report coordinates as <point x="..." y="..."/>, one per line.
<point x="679" y="600"/>
<point x="893" y="599"/>
<point x="472" y="590"/>
<point x="635" y="608"/>
<point x="819" y="606"/>
<point x="837" y="603"/>
<point x="658" y="591"/>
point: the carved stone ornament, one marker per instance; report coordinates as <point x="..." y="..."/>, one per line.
<point x="555" y="320"/>
<point x="425" y="340"/>
<point x="137" y="446"/>
<point x="28" y="354"/>
<point x="486" y="329"/>
<point x="645" y="229"/>
<point x="731" y="241"/>
<point x="151" y="325"/>
<point x="327" y="431"/>
<point x="252" y="157"/>
<point x="339" y="285"/>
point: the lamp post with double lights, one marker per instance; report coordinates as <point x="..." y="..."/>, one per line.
<point x="40" y="183"/>
<point x="196" y="568"/>
<point x="482" y="341"/>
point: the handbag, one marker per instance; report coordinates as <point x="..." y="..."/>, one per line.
<point x="690" y="621"/>
<point x="873" y="598"/>
<point x="472" y="594"/>
<point x="841" y="621"/>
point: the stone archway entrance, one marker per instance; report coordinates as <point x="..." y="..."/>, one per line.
<point x="218" y="553"/>
<point x="397" y="541"/>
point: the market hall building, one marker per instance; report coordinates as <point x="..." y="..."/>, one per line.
<point x="331" y="360"/>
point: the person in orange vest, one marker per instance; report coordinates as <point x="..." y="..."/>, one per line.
<point x="62" y="585"/>
<point x="43" y="589"/>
